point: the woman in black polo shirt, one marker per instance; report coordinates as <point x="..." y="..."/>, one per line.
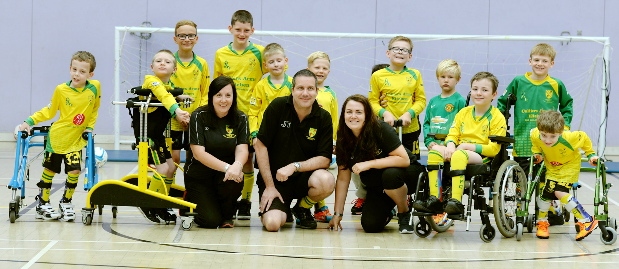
<point x="370" y="148"/>
<point x="218" y="137"/>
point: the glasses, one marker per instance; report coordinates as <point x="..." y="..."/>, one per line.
<point x="400" y="50"/>
<point x="189" y="36"/>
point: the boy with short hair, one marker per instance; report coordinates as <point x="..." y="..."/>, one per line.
<point x="442" y="110"/>
<point x="78" y="101"/>
<point x="193" y="76"/>
<point x="535" y="91"/>
<point x="466" y="143"/>
<point x="241" y="60"/>
<point x="277" y="83"/>
<point x="560" y="151"/>
<point x="357" y="204"/>
<point x="404" y="92"/>
<point x="163" y="66"/>
<point x="319" y="63"/>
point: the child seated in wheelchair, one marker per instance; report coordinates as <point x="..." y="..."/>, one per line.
<point x="163" y="66"/>
<point x="560" y="150"/>
<point x="466" y="143"/>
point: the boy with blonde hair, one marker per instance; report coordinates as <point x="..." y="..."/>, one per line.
<point x="560" y="151"/>
<point x="78" y="102"/>
<point x="466" y="143"/>
<point x="403" y="88"/>
<point x="441" y="111"/>
<point x="163" y="66"/>
<point x="193" y="76"/>
<point x="320" y="64"/>
<point x="241" y="60"/>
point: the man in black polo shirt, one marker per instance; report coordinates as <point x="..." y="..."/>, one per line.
<point x="293" y="151"/>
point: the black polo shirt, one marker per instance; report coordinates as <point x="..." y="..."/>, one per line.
<point x="289" y="140"/>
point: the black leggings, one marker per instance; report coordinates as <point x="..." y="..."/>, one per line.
<point x="378" y="205"/>
<point x="215" y="198"/>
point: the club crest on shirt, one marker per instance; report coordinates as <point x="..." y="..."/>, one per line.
<point x="449" y="107"/>
<point x="229" y="132"/>
<point x="311" y="134"/>
<point x="548" y="94"/>
<point x="155" y="84"/>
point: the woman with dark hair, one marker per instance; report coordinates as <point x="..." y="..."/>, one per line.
<point x="371" y="148"/>
<point x="218" y="137"/>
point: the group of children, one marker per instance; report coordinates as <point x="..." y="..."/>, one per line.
<point x="396" y="93"/>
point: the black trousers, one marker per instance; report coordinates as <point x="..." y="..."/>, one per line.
<point x="215" y="198"/>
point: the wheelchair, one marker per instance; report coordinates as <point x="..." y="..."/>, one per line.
<point x="21" y="172"/>
<point x="500" y="174"/>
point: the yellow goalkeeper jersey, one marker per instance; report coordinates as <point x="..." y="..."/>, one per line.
<point x="194" y="78"/>
<point x="562" y="160"/>
<point x="468" y="128"/>
<point x="404" y="93"/>
<point x="244" y="67"/>
<point x="264" y="92"/>
<point x="328" y="101"/>
<point x="78" y="108"/>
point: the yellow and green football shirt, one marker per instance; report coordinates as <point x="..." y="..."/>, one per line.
<point x="161" y="92"/>
<point x="194" y="78"/>
<point x="245" y="68"/>
<point x="404" y="93"/>
<point x="328" y="101"/>
<point x="468" y="128"/>
<point x="264" y="92"/>
<point x="562" y="160"/>
<point x="79" y="109"/>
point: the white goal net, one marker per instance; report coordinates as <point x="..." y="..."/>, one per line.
<point x="581" y="63"/>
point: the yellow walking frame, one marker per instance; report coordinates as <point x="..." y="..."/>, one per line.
<point x="132" y="189"/>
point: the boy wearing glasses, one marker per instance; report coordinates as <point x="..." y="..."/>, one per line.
<point x="241" y="60"/>
<point x="403" y="90"/>
<point x="193" y="76"/>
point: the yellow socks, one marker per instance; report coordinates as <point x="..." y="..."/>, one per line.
<point x="46" y="178"/>
<point x="459" y="160"/>
<point x="72" y="180"/>
<point x="306" y="202"/>
<point x="248" y="186"/>
<point x="157" y="184"/>
<point x="434" y="158"/>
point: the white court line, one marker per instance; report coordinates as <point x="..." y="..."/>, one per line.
<point x="40" y="254"/>
<point x="590" y="188"/>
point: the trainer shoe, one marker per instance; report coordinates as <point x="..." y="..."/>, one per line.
<point x="405" y="223"/>
<point x="166" y="215"/>
<point x="150" y="214"/>
<point x="66" y="210"/>
<point x="323" y="214"/>
<point x="454" y="207"/>
<point x="44" y="210"/>
<point x="227" y="224"/>
<point x="357" y="207"/>
<point x="440" y="219"/>
<point x="586" y="228"/>
<point x="542" y="229"/>
<point x="304" y="217"/>
<point x="244" y="210"/>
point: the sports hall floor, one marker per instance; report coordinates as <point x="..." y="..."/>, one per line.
<point x="130" y="241"/>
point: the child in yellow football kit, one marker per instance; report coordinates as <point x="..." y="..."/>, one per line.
<point x="163" y="66"/>
<point x="241" y="60"/>
<point x="560" y="151"/>
<point x="467" y="143"/>
<point x="78" y="102"/>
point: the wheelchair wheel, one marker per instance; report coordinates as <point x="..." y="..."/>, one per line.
<point x="510" y="187"/>
<point x="440" y="226"/>
<point x="519" y="231"/>
<point x="566" y="214"/>
<point x="487" y="233"/>
<point x="530" y="222"/>
<point x="612" y="222"/>
<point x="611" y="238"/>
<point x="421" y="228"/>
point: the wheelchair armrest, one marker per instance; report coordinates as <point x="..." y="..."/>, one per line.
<point x="145" y="92"/>
<point x="438" y="136"/>
<point x="501" y="139"/>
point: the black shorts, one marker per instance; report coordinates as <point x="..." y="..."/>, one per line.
<point x="550" y="186"/>
<point x="411" y="142"/>
<point x="72" y="161"/>
<point x="180" y="140"/>
<point x="296" y="187"/>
